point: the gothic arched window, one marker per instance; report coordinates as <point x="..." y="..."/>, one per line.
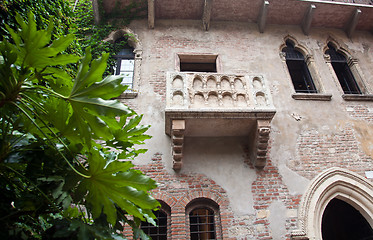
<point x="343" y="71"/>
<point x="298" y="69"/>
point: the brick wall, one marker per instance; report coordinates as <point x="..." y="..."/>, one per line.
<point x="178" y="190"/>
<point x="319" y="151"/>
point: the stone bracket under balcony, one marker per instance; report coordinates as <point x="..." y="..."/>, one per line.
<point x="218" y="105"/>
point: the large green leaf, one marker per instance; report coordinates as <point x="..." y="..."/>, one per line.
<point x="34" y="48"/>
<point x="71" y="123"/>
<point x="125" y="188"/>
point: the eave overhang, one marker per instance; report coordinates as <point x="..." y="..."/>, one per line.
<point x="341" y="14"/>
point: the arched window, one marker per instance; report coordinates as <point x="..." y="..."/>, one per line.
<point x="343" y="222"/>
<point x="343" y="71"/>
<point x="202" y="224"/>
<point x="204" y="219"/>
<point x="298" y="69"/>
<point x="162" y="230"/>
<point x="125" y="62"/>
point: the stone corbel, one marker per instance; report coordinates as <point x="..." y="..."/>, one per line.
<point x="177" y="138"/>
<point x="262" y="138"/>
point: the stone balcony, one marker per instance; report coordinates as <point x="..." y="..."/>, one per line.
<point x="218" y="105"/>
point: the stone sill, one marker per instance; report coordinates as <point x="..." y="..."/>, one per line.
<point x="128" y="95"/>
<point x="312" y="96"/>
<point x="357" y="97"/>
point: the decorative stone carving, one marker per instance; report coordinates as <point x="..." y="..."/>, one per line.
<point x="177" y="137"/>
<point x="333" y="183"/>
<point x="262" y="138"/>
<point x="215" y="91"/>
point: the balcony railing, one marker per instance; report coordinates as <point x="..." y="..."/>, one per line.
<point x="213" y="91"/>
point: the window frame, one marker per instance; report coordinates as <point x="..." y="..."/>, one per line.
<point x="320" y="95"/>
<point x="166" y="209"/>
<point x="297" y="65"/>
<point x="198" y="58"/>
<point x="207" y="204"/>
<point x="120" y="58"/>
<point x="134" y="42"/>
<point x="355" y="70"/>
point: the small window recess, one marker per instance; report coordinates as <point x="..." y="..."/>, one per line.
<point x="197" y="63"/>
<point x="163" y="229"/>
<point x="301" y="67"/>
<point x="133" y="48"/>
<point x="203" y="218"/>
<point x="348" y="73"/>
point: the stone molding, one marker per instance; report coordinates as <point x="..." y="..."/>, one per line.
<point x="332" y="183"/>
<point x="312" y="96"/>
<point x="357" y="97"/>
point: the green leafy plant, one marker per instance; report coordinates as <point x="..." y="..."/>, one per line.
<point x="65" y="144"/>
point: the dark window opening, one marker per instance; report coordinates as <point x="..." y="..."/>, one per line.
<point x="125" y="62"/>
<point x="299" y="73"/>
<point x="158" y="232"/>
<point x="202" y="224"/>
<point x="198" y="63"/>
<point x="341" y="221"/>
<point x="198" y="67"/>
<point x="343" y="71"/>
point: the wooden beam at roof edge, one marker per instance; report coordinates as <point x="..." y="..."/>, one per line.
<point x="307" y="20"/>
<point x="96" y="12"/>
<point x="351" y="25"/>
<point x="206" y="18"/>
<point x="263" y="16"/>
<point x="151" y="13"/>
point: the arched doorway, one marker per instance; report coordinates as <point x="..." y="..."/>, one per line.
<point x="341" y="221"/>
<point x="336" y="188"/>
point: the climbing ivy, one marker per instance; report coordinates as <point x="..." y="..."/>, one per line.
<point x="91" y="35"/>
<point x="75" y="17"/>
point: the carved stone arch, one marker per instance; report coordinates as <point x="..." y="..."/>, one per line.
<point x="133" y="39"/>
<point x="298" y="46"/>
<point x="339" y="47"/>
<point x="334" y="183"/>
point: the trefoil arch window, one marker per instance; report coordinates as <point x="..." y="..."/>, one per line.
<point x="343" y="71"/>
<point x="298" y="69"/>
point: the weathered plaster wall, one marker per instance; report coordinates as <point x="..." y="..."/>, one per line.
<point x="307" y="137"/>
